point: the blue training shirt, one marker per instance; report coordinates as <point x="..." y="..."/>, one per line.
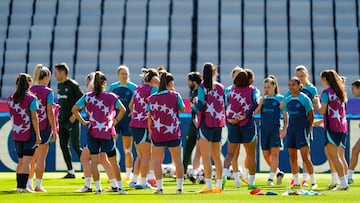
<point x="309" y="90"/>
<point x="271" y="112"/>
<point x="298" y="108"/>
<point x="125" y="93"/>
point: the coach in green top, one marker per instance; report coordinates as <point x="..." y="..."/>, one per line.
<point x="68" y="93"/>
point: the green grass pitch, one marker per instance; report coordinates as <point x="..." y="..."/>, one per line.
<point x="62" y="190"/>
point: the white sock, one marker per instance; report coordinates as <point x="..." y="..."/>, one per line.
<point x="143" y="181"/>
<point x="195" y="172"/>
<point x="271" y="175"/>
<point x="128" y="172"/>
<point x="113" y="183"/>
<point x="277" y="170"/>
<point x="208" y="183"/>
<point x="236" y="176"/>
<point x="312" y="178"/>
<point x="179" y="183"/>
<point x="72" y="171"/>
<point x="296" y="179"/>
<point x="246" y="173"/>
<point x="225" y="172"/>
<point x="343" y="180"/>
<point x="135" y="178"/>
<point x="29" y="183"/>
<point x="218" y="183"/>
<point x="151" y="175"/>
<point x="38" y="182"/>
<point x="305" y="176"/>
<point x="88" y="182"/>
<point x="97" y="185"/>
<point x="159" y="184"/>
<point x="119" y="184"/>
<point x="350" y="174"/>
<point x="252" y="179"/>
<point x="334" y="178"/>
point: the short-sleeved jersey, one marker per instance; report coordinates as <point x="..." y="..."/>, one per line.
<point x="240" y="101"/>
<point x="20" y="115"/>
<point x="270" y="112"/>
<point x="213" y="101"/>
<point x="139" y="115"/>
<point x="68" y="94"/>
<point x="125" y="93"/>
<point x="164" y="110"/>
<point x="100" y="110"/>
<point x="45" y="96"/>
<point x="298" y="108"/>
<point x="335" y="116"/>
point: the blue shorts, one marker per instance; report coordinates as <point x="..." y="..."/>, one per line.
<point x="337" y="139"/>
<point x="209" y="134"/>
<point x="242" y="134"/>
<point x="172" y="143"/>
<point x="270" y="138"/>
<point x="46" y="135"/>
<point x="26" y="148"/>
<point x="297" y="138"/>
<point x="97" y="145"/>
<point x="122" y="128"/>
<point x="140" y="135"/>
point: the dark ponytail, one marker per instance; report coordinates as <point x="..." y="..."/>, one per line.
<point x="208" y="72"/>
<point x="165" y="79"/>
<point x="22" y="85"/>
<point x="336" y="83"/>
<point x="99" y="83"/>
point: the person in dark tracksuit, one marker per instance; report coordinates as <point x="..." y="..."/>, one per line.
<point x="68" y="93"/>
<point x="194" y="79"/>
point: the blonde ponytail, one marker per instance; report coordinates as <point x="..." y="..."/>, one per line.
<point x="36" y="73"/>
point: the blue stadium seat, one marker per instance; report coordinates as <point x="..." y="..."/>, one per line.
<point x="45" y="7"/>
<point x="66" y="20"/>
<point x="36" y="57"/>
<point x="65" y="31"/>
<point x="114" y="7"/>
<point x="90" y="20"/>
<point x="69" y="7"/>
<point x="88" y="44"/>
<point x="14" y="44"/>
<point x="15" y="61"/>
<point x="109" y="60"/>
<point x="44" y="19"/>
<point x="38" y="44"/>
<point x="19" y="31"/>
<point x="22" y="7"/>
<point x="113" y="20"/>
<point x="41" y="32"/>
<point x="183" y="8"/>
<point x="4" y="8"/>
<point x="111" y="44"/>
<point x="63" y="44"/>
<point x="66" y="56"/>
<point x="86" y="57"/>
<point x="90" y="8"/>
<point x="89" y="31"/>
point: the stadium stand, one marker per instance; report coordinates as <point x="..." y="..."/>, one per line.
<point x="269" y="37"/>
